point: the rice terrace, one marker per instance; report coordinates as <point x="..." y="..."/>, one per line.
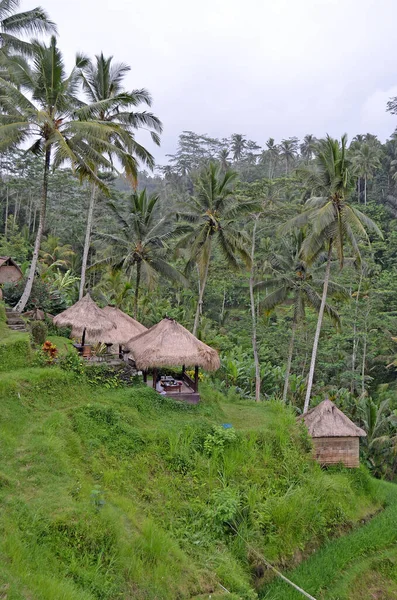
<point x="198" y="331"/>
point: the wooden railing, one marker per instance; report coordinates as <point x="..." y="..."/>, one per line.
<point x="189" y="381"/>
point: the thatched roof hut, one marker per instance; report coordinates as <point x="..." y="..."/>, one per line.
<point x="126" y="326"/>
<point x="169" y="344"/>
<point x="9" y="270"/>
<point x="86" y="319"/>
<point x="335" y="436"/>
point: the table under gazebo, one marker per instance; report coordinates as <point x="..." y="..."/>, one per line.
<point x="168" y="345"/>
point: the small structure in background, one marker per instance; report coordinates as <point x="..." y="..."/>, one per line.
<point x="169" y="344"/>
<point x="87" y="321"/>
<point x="9" y="272"/>
<point x="336" y="438"/>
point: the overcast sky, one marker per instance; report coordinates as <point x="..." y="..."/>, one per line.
<point x="264" y="68"/>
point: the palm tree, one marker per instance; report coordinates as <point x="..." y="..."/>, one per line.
<point x="141" y="243"/>
<point x="109" y="102"/>
<point x="210" y="218"/>
<point x="293" y="281"/>
<point x="41" y="105"/>
<point x="238" y="146"/>
<point x="365" y="160"/>
<point x="223" y="157"/>
<point x="308" y="146"/>
<point x="114" y="288"/>
<point x="54" y="254"/>
<point x="13" y="24"/>
<point x="334" y="223"/>
<point x="380" y="424"/>
<point x="288" y="150"/>
<point x="274" y="153"/>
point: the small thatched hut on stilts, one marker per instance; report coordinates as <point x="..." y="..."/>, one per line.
<point x="336" y="438"/>
<point x="169" y="344"/>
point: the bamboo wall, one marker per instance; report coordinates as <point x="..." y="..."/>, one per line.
<point x="334" y="450"/>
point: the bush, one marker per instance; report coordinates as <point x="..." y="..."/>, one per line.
<point x="72" y="362"/>
<point x="41" y="297"/>
<point x="39" y="332"/>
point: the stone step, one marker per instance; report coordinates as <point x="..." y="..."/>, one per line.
<point x="18" y="327"/>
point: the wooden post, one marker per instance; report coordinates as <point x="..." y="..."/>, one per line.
<point x="196" y="378"/>
<point x="83" y="337"/>
<point x="120" y="351"/>
<point x="144" y="373"/>
<point x="154" y="378"/>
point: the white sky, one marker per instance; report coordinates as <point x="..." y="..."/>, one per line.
<point x="264" y="68"/>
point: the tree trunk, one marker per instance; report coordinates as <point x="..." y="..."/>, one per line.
<point x="137" y="285"/>
<point x="359" y="189"/>
<point x="289" y="361"/>
<point x="222" y="315"/>
<point x="199" y="310"/>
<point x="87" y="240"/>
<point x="43" y="205"/>
<point x="355" y="339"/>
<point x="365" y="343"/>
<point x="253" y="316"/>
<point x="318" y="330"/>
<point x="6" y="221"/>
<point x="365" y="190"/>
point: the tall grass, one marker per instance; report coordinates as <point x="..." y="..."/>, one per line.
<point x="126" y="494"/>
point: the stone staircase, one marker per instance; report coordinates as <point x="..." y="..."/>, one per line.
<point x="15" y="321"/>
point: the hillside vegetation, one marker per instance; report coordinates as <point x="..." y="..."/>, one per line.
<point x="123" y="493"/>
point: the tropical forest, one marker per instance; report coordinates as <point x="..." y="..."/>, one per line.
<point x="266" y="269"/>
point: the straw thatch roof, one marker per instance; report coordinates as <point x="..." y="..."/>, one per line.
<point x="169" y="344"/>
<point x="326" y="420"/>
<point x="85" y="314"/>
<point x="126" y="326"/>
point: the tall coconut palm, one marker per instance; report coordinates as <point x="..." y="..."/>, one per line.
<point x="238" y="145"/>
<point x="288" y="151"/>
<point x="41" y="106"/>
<point x="334" y="223"/>
<point x="223" y="158"/>
<point x="291" y="280"/>
<point x="14" y="24"/>
<point x="365" y="161"/>
<point x="211" y="218"/>
<point x="308" y="146"/>
<point x="273" y="151"/>
<point x="141" y="244"/>
<point x="108" y="102"/>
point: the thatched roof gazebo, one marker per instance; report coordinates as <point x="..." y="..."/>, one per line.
<point x="126" y="326"/>
<point x="169" y="344"/>
<point x="86" y="319"/>
<point x="336" y="438"/>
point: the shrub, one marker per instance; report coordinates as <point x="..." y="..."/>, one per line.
<point x="39" y="332"/>
<point x="41" y="297"/>
<point x="72" y="362"/>
<point x="220" y="437"/>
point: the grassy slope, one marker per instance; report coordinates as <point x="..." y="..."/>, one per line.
<point x="161" y="531"/>
<point x="125" y="494"/>
<point x="361" y="565"/>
